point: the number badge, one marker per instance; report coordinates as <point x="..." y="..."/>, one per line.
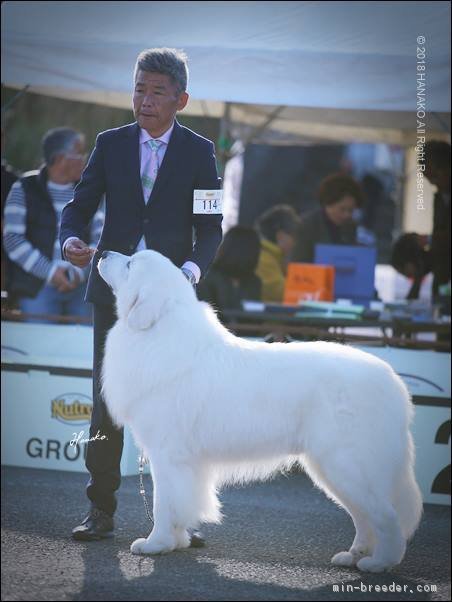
<point x="207" y="201"/>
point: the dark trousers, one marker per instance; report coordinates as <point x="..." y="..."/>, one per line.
<point x="103" y="456"/>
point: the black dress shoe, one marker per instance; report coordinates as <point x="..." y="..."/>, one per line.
<point x="197" y="539"/>
<point x="97" y="525"/>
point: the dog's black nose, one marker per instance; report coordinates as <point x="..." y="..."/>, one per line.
<point x="104" y="254"/>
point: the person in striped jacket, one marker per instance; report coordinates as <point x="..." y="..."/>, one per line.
<point x="40" y="281"/>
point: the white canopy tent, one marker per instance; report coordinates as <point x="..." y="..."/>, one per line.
<point x="283" y="72"/>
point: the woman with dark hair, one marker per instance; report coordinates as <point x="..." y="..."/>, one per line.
<point x="339" y="195"/>
<point x="231" y="278"/>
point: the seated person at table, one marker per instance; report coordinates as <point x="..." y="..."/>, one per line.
<point x="412" y="257"/>
<point x="231" y="278"/>
<point x="339" y="195"/>
<point x="277" y="227"/>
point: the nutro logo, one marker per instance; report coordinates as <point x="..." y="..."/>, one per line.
<point x="72" y="408"/>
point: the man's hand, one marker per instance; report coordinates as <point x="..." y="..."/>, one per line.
<point x="61" y="281"/>
<point x="78" y="253"/>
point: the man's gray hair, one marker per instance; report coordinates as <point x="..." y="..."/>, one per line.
<point x="59" y="141"/>
<point x="167" y="61"/>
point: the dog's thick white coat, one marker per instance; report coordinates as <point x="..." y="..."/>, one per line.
<point x="209" y="408"/>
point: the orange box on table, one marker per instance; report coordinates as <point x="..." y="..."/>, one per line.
<point x="308" y="282"/>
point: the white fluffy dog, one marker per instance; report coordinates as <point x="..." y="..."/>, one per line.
<point x="209" y="408"/>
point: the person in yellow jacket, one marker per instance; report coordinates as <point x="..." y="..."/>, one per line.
<point x="277" y="227"/>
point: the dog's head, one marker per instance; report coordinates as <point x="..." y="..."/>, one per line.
<point x="145" y="285"/>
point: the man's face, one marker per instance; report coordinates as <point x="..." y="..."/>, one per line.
<point x="156" y="101"/>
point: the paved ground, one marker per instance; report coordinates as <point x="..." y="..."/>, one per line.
<point x="275" y="544"/>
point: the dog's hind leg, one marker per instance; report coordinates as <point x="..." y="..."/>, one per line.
<point x="371" y="500"/>
<point x="390" y="542"/>
<point x="363" y="543"/>
<point x="379" y="543"/>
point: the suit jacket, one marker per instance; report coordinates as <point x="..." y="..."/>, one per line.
<point x="167" y="220"/>
<point x="314" y="230"/>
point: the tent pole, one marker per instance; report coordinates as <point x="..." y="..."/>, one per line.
<point x="259" y="129"/>
<point x="224" y="143"/>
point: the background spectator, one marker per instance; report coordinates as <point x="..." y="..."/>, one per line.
<point x="231" y="278"/>
<point x="41" y="280"/>
<point x="278" y="227"/>
<point x="332" y="223"/>
<point x="9" y="176"/>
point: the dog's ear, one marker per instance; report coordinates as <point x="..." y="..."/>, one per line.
<point x="141" y="314"/>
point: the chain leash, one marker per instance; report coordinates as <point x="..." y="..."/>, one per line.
<point x="141" y="462"/>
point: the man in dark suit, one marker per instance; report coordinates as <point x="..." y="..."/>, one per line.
<point x="148" y="171"/>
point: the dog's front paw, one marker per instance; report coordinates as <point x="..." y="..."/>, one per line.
<point x="138" y="545"/>
<point x="343" y="559"/>
<point x="152" y="546"/>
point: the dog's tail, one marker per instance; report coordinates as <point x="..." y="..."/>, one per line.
<point x="407" y="499"/>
